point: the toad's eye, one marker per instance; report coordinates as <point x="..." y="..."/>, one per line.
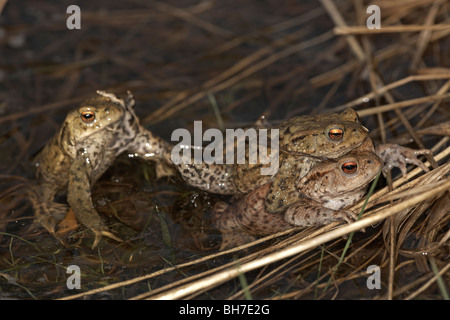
<point x="88" y="116"/>
<point x="349" y="167"/>
<point x="336" y="134"/>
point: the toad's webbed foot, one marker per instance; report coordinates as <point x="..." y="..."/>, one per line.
<point x="394" y="155"/>
<point x="46" y="212"/>
<point x="49" y="214"/>
<point x="88" y="216"/>
<point x="235" y="239"/>
<point x="103" y="232"/>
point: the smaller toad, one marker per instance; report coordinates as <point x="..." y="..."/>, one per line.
<point x="90" y="139"/>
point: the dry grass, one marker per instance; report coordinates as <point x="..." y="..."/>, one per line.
<point x="318" y="54"/>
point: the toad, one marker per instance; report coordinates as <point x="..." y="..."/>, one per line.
<point x="90" y="139"/>
<point x="324" y="195"/>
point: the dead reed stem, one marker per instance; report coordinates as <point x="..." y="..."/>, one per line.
<point x="346" y="30"/>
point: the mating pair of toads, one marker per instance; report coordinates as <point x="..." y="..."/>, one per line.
<point x="325" y="163"/>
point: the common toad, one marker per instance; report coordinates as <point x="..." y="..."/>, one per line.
<point x="324" y="195"/>
<point x="90" y="139"/>
<point x="303" y="142"/>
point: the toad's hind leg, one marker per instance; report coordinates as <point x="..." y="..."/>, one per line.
<point x="235" y="239"/>
<point x="47" y="213"/>
<point x="226" y="222"/>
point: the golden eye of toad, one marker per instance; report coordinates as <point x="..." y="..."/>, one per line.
<point x="336" y="134"/>
<point x="88" y="116"/>
<point x="349" y="167"/>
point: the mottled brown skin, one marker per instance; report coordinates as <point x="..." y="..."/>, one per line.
<point x="90" y="139"/>
<point x="328" y="135"/>
<point x="300" y="137"/>
<point x="304" y="142"/>
<point x="312" y="134"/>
<point x="325" y="193"/>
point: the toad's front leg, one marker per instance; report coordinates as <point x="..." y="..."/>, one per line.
<point x="394" y="155"/>
<point x="79" y="199"/>
<point x="306" y="213"/>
